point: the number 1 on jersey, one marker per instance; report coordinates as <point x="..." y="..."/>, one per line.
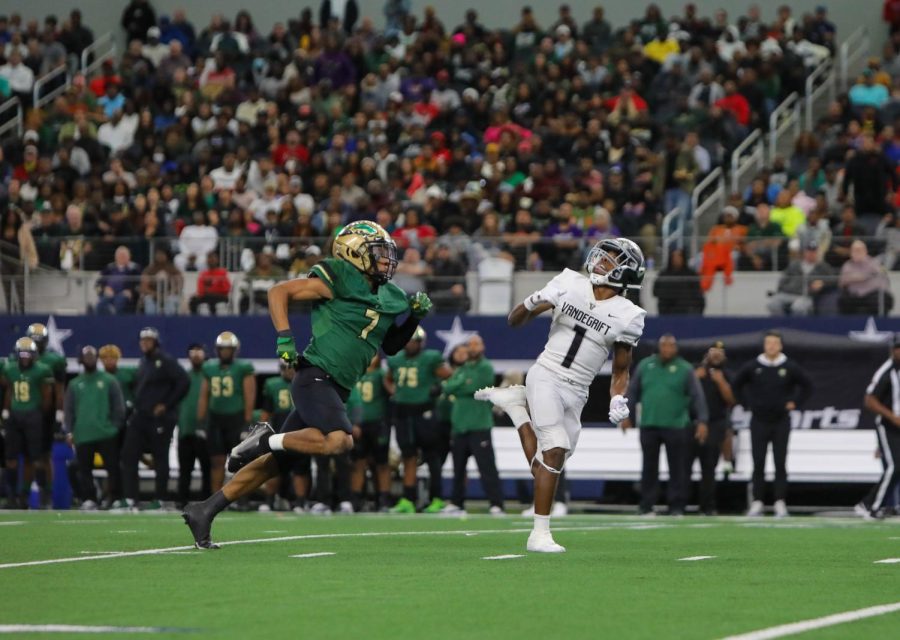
<point x="573" y="348"/>
<point x="375" y="316"/>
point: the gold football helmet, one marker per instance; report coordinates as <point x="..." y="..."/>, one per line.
<point x="39" y="333"/>
<point x="364" y="244"/>
<point x="26" y="347"/>
<point x="227" y="340"/>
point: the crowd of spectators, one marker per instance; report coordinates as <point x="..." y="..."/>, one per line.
<point x="827" y="215"/>
<point x="524" y="142"/>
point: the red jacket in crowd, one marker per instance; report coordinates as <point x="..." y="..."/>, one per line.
<point x="213" y="282"/>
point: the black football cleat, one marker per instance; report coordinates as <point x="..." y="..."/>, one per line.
<point x="253" y="446"/>
<point x="199" y="521"/>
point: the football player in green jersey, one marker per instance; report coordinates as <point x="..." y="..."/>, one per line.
<point x="228" y="395"/>
<point x="53" y="419"/>
<point x="371" y="434"/>
<point x="110" y="354"/>
<point x="355" y="309"/>
<point x="412" y="376"/>
<point x="276" y="406"/>
<point x="25" y="405"/>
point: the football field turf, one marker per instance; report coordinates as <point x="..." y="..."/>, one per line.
<point x="428" y="577"/>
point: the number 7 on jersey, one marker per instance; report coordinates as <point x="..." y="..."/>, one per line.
<point x="374" y="316"/>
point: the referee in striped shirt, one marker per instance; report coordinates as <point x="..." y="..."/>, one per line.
<point x="883" y="399"/>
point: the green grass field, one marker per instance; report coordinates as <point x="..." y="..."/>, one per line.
<point x="425" y="576"/>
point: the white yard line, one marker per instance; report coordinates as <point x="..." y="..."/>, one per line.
<point x="312" y="536"/>
<point x="888" y="561"/>
<point x="11" y="523"/>
<point x="78" y="628"/>
<point x="508" y="556"/>
<point x="320" y="554"/>
<point x="695" y="558"/>
<point x="817" y="623"/>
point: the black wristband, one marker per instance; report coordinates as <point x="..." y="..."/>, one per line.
<point x="286" y="333"/>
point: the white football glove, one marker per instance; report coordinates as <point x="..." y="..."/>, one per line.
<point x="618" y="409"/>
<point x="549" y="294"/>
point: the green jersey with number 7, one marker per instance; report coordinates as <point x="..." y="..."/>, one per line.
<point x="350" y="328"/>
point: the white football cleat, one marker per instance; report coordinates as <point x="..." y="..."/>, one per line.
<point x="88" y="505"/>
<point x="502" y="398"/>
<point x="756" y="509"/>
<point x="320" y="509"/>
<point x="451" y="509"/>
<point x="543" y="543"/>
<point x="781" y="509"/>
<point x="345" y="507"/>
<point x="496" y="511"/>
<point x="264" y="508"/>
<point x="529" y="511"/>
<point x="559" y="510"/>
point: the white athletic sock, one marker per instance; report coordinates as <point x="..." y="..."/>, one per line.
<point x="276" y="442"/>
<point x="518" y="415"/>
<point x="541" y="524"/>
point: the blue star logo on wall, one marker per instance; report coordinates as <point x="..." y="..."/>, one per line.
<point x="454" y="336"/>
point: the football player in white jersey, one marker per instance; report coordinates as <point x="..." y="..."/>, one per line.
<point x="591" y="318"/>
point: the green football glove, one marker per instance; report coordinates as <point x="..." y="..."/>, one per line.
<point x="420" y="305"/>
<point x="285" y="347"/>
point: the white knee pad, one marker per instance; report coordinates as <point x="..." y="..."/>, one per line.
<point x="538" y="458"/>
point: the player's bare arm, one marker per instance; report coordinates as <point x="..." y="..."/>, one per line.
<point x="521" y="315"/>
<point x="309" y="289"/>
<point x="249" y="384"/>
<point x="618" y="385"/>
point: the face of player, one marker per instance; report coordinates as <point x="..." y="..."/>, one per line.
<point x="413" y="348"/>
<point x="226" y="354"/>
<point x="385" y="258"/>
<point x="772" y="347"/>
<point x="197" y="357"/>
<point x="606" y="263"/>
<point x="288" y="373"/>
<point x="26" y="359"/>
<point x="110" y="363"/>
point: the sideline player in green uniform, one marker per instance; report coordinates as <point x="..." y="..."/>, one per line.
<point x="412" y="376"/>
<point x="110" y="354"/>
<point x="228" y="395"/>
<point x="276" y="406"/>
<point x="192" y="434"/>
<point x="354" y="314"/>
<point x="371" y="434"/>
<point x="53" y="418"/>
<point x="25" y="406"/>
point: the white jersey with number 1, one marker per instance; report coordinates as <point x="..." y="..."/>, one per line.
<point x="584" y="329"/>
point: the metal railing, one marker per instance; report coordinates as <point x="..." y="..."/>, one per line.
<point x="820" y="83"/>
<point x="702" y="201"/>
<point x="17" y="122"/>
<point x="744" y="164"/>
<point x="852" y="53"/>
<point x="784" y="118"/>
<point x="672" y="237"/>
<point x="39" y="98"/>
<point x="98" y="52"/>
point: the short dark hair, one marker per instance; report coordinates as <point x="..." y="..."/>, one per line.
<point x="773" y="333"/>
